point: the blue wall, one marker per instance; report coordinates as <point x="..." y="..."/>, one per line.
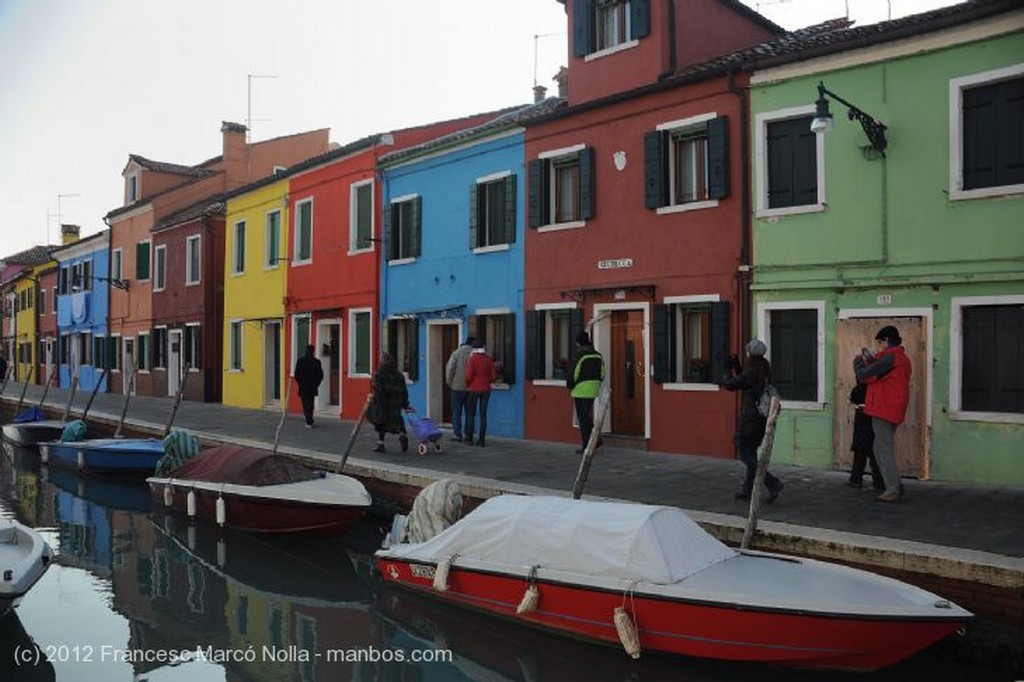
<point x="95" y="320"/>
<point x="447" y="272"/>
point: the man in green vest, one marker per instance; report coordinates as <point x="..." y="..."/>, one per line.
<point x="585" y="383"/>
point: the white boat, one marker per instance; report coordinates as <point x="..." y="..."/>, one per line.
<point x="650" y="578"/>
<point x="24" y="558"/>
<point x="32" y="433"/>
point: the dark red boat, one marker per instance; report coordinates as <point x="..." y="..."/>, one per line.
<point x="261" y="491"/>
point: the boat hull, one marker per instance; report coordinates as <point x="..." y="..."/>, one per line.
<point x="32" y="433"/>
<point x="24" y="558"/>
<point x="127" y="455"/>
<point x="256" y="513"/>
<point x="691" y="628"/>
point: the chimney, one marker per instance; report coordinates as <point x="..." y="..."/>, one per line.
<point x="69" y="234"/>
<point x="562" y="78"/>
<point x="235" y="153"/>
<point x="538" y="93"/>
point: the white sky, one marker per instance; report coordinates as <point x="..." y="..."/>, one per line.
<point x="83" y="83"/>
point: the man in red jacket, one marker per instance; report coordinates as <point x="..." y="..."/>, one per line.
<point x="887" y="374"/>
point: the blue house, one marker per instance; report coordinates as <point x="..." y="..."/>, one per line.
<point x="453" y="260"/>
<point x="83" y="305"/>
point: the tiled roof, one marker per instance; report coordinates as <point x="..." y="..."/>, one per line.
<point x="839" y="35"/>
<point x="164" y="167"/>
<point x="37" y="255"/>
<point x="510" y="118"/>
<point x="211" y="206"/>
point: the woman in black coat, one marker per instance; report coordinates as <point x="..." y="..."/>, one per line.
<point x="390" y="399"/>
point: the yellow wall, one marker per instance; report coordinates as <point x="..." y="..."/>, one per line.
<point x="25" y="323"/>
<point x="257" y="294"/>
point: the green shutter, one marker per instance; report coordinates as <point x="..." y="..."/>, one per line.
<point x="582" y="28"/>
<point x="387" y="236"/>
<point x="719" y="340"/>
<point x="474" y="215"/>
<point x="142" y="261"/>
<point x="640" y="18"/>
<point x="414" y="349"/>
<point x="588" y="193"/>
<point x="538" y="187"/>
<point x="718" y="157"/>
<point x="511" y="202"/>
<point x="509" y="370"/>
<point x="534" y="343"/>
<point x="662" y="351"/>
<point x="655" y="169"/>
<point x="415" y="227"/>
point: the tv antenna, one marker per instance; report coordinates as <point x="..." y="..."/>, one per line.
<point x="248" y="105"/>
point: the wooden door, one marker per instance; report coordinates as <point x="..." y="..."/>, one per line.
<point x="449" y="342"/>
<point x="626" y="370"/>
<point x="911" y="446"/>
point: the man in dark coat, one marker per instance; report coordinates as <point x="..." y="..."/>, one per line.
<point x="308" y="375"/>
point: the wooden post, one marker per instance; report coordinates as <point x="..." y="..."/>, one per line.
<point x="127" y="398"/>
<point x="588" y="452"/>
<point x="94" y="390"/>
<point x="71" y="396"/>
<point x="7" y="376"/>
<point x="284" y="412"/>
<point x="355" y="430"/>
<point x="762" y="466"/>
<point x="177" y="401"/>
<point x="46" y="388"/>
<point x="24" y="389"/>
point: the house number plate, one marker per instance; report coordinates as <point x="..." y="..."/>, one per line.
<point x="614" y="263"/>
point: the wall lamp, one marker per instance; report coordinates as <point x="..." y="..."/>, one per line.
<point x="873" y="128"/>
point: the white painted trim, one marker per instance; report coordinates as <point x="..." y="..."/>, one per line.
<point x="192" y="279"/>
<point x="403" y="198"/>
<point x="493" y="311"/>
<point x="153" y="274"/>
<point x="548" y="382"/>
<point x="241" y="344"/>
<point x="350" y="341"/>
<point x="707" y="387"/>
<point x="353" y="215"/>
<point x="119" y="253"/>
<point x="763" y="314"/>
<point x="601" y="329"/>
<point x="234" y="245"/>
<point x="956" y="358"/>
<point x="295" y="232"/>
<point x="956" y="150"/>
<point x="761" y="122"/>
<point x="628" y="45"/>
<point x="556" y="306"/>
<point x="563" y="151"/>
<point x="401" y="261"/>
<point x="492" y="248"/>
<point x="555" y="227"/>
<point x="697" y="121"/>
<point x="278" y="257"/>
<point x="690" y="206"/>
<point x="493" y="176"/>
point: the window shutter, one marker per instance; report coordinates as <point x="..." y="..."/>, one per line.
<point x="197" y="361"/>
<point x="534" y="342"/>
<point x="718" y="157"/>
<point x="640" y="18"/>
<point x="391" y="342"/>
<point x="415" y="224"/>
<point x="414" y="349"/>
<point x="662" y="352"/>
<point x="719" y="340"/>
<point x="111" y="351"/>
<point x="510" y="209"/>
<point x="388" y="240"/>
<point x="582" y="24"/>
<point x="474" y="215"/>
<point x="588" y="195"/>
<point x="792" y="163"/>
<point x="538" y="193"/>
<point x="655" y="169"/>
<point x="509" y="371"/>
<point x="142" y="260"/>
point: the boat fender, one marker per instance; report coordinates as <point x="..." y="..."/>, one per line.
<point x="531" y="596"/>
<point x="441" y="574"/>
<point x="190" y="537"/>
<point x="44" y="454"/>
<point x="222" y="552"/>
<point x="190" y="503"/>
<point x="168" y="495"/>
<point x="627" y="632"/>
<point x="81" y="460"/>
<point x="222" y="512"/>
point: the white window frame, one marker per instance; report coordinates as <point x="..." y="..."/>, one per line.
<point x="298" y="226"/>
<point x="163" y="355"/>
<point x="480" y="184"/>
<point x="296" y="351"/>
<point x="238" y="248"/>
<point x="956" y="358"/>
<point x="550" y="157"/>
<point x="683" y="126"/>
<point x="116" y="263"/>
<point x="547" y="308"/>
<point x="186" y="337"/>
<point x="764" y="311"/>
<point x="141" y="356"/>
<point x="351" y="338"/>
<point x="761" y="122"/>
<point x="271" y="261"/>
<point x="956" y="133"/>
<point x="159" y="273"/>
<point x="353" y="230"/>
<point x="193" y="278"/>
<point x="695" y="299"/>
<point x="235" y="364"/>
<point x="131" y="197"/>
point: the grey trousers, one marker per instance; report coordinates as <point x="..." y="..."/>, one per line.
<point x="885" y="454"/>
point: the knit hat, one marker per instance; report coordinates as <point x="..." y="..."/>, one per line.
<point x="889" y="334"/>
<point x="583" y="339"/>
<point x="756" y="347"/>
<point x="477" y="343"/>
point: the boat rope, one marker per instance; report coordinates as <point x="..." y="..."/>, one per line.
<point x="441" y="573"/>
<point x="625" y="626"/>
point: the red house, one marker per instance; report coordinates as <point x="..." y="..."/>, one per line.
<point x="640" y="235"/>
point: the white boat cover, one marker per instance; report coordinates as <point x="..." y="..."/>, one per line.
<point x="612" y="540"/>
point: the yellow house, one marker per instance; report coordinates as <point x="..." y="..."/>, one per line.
<point x="255" y="277"/>
<point x="33" y="350"/>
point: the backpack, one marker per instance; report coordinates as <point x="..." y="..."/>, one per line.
<point x="764" y="403"/>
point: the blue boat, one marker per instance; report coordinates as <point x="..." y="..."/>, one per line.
<point x="104" y="454"/>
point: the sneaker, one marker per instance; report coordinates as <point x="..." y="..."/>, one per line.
<point x="773" y="493"/>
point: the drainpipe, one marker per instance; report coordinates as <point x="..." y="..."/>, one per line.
<point x="744" y="272"/>
<point x="670" y="37"/>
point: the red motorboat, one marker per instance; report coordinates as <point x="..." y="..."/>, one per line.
<point x="260" y="491"/>
<point x="650" y="578"/>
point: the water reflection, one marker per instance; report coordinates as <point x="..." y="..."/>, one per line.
<point x="156" y="596"/>
<point x="21" y="659"/>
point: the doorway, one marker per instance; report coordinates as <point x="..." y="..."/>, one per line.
<point x="173" y="361"/>
<point x="854" y="333"/>
<point x="272" y="363"/>
<point x="627" y="372"/>
<point x="128" y="367"/>
<point x="328" y="335"/>
<point x="442" y="340"/>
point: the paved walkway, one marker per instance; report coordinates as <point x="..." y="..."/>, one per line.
<point x="946" y="517"/>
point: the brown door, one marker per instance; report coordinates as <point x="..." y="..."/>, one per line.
<point x="851" y="336"/>
<point x="626" y="370"/>
<point x="449" y="342"/>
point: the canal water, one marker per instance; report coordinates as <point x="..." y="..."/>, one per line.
<point x="139" y="594"/>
